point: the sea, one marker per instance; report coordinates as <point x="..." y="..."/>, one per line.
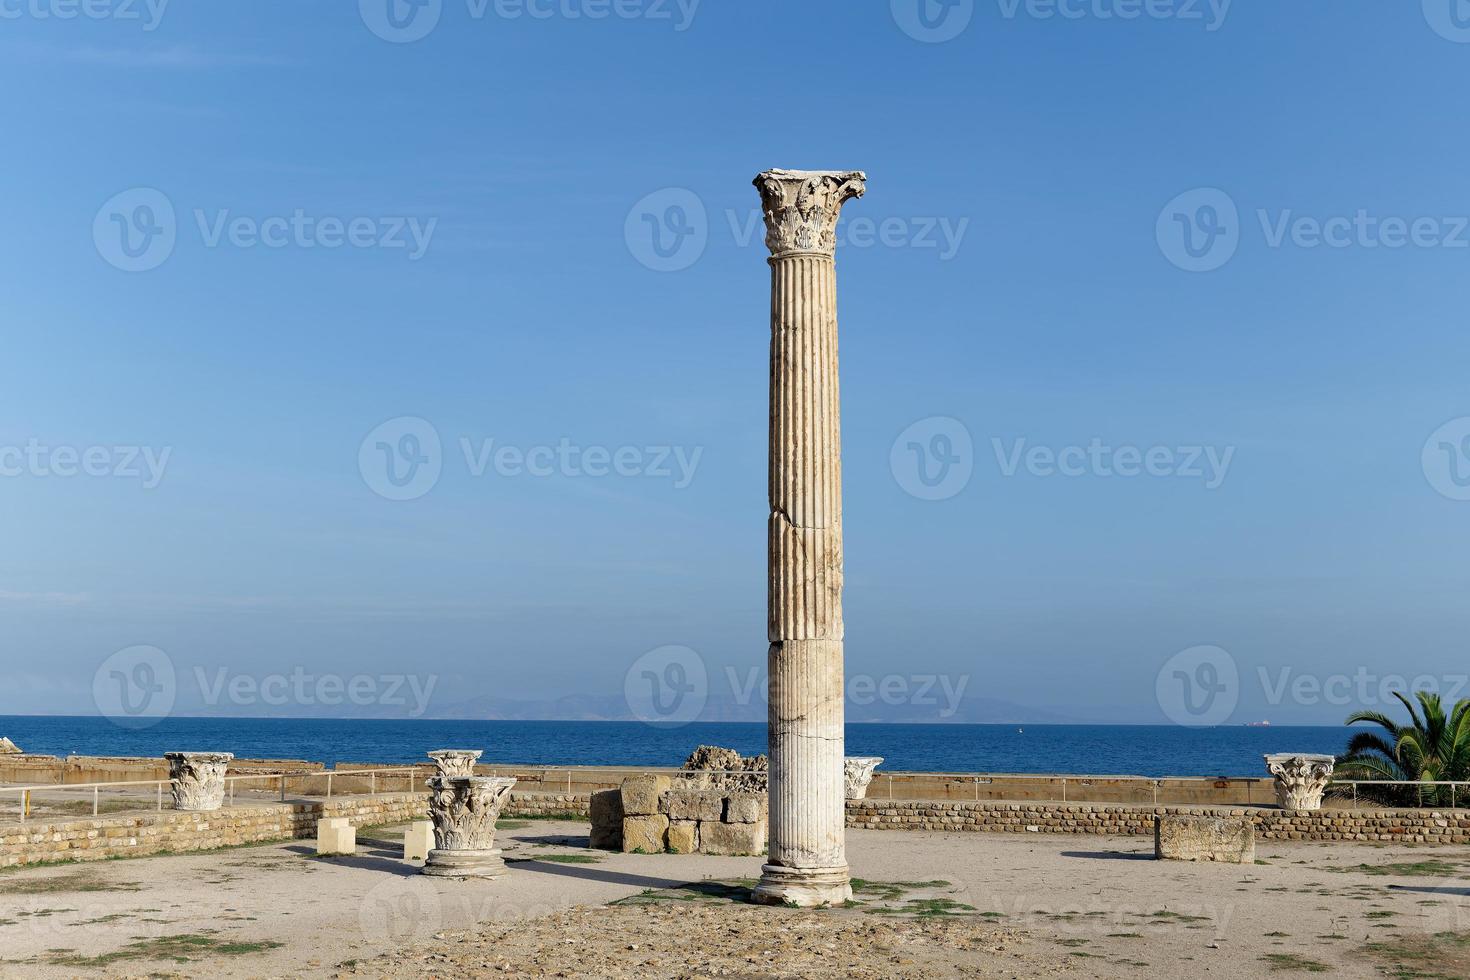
<point x="1114" y="750"/>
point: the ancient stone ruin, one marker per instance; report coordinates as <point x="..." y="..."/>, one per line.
<point x="807" y="865"/>
<point x="858" y="773"/>
<point x="199" y="779"/>
<point x="455" y="762"/>
<point x="7" y="747"/>
<point x="464" y="810"/>
<point x="1184" y="838"/>
<point x="713" y="767"/>
<point x="1301" y="779"/>
<point x="655" y="814"/>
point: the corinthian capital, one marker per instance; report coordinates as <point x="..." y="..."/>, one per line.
<point x="801" y="207"/>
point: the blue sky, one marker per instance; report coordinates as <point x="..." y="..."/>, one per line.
<point x="1016" y="285"/>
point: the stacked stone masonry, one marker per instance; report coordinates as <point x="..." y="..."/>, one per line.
<point x="1413" y="826"/>
<point x="172" y="831"/>
<point x="652" y="814"/>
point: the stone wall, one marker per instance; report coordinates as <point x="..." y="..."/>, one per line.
<point x="1416" y="826"/>
<point x="574" y="807"/>
<point x="173" y="831"/>
<point x="652" y="814"/>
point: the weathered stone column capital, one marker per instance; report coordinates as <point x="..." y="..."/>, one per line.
<point x="801" y="208"/>
<point x="1301" y="778"/>
<point x="455" y="762"/>
<point x="198" y="779"/>
<point x="464" y="810"/>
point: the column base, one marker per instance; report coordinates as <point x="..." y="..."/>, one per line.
<point x="803" y="887"/>
<point x="465" y="864"/>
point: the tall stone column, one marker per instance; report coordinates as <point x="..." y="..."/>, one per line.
<point x="808" y="860"/>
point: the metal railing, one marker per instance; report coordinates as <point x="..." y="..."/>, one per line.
<point x="408" y="774"/>
<point x="1420" y="783"/>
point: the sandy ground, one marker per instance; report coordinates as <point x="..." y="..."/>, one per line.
<point x="966" y="904"/>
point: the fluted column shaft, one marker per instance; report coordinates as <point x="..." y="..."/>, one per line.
<point x="808" y="863"/>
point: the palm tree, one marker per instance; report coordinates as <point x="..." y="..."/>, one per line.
<point x="1433" y="747"/>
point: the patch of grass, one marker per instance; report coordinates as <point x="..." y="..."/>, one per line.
<point x="1442" y="956"/>
<point x="1291" y="961"/>
<point x="184" y="948"/>
<point x="559" y="859"/>
<point x="76" y="881"/>
<point x="512" y="824"/>
<point x="1432" y="867"/>
<point x="731" y="890"/>
<point x="1125" y="935"/>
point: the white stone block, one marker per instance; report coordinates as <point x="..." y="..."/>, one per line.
<point x="418" y="841"/>
<point x="336" y="835"/>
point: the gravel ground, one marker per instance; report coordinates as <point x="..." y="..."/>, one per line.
<point x="725" y="941"/>
<point x="935" y="904"/>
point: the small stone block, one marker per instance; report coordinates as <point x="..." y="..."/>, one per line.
<point x="745" y="808"/>
<point x="336" y="835"/>
<point x="641" y="794"/>
<point x="692" y="804"/>
<point x="684" y="836"/>
<point x="606" y="813"/>
<point x="418" y="841"/>
<point x="733" y="838"/>
<point x="1179" y="838"/>
<point x="645" y="833"/>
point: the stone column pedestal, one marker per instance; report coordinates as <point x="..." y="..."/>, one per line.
<point x="464" y="810"/>
<point x="1301" y="779"/>
<point x="858" y="771"/>
<point x="455" y="762"/>
<point x="199" y="779"/>
<point x="808" y="863"/>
